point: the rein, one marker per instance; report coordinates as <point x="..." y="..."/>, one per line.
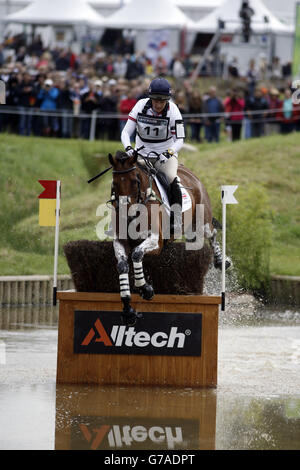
<point x="121" y="172"/>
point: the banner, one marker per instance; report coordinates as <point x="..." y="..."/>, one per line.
<point x="296" y="59"/>
<point x="159" y="334"/>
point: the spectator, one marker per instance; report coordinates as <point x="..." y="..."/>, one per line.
<point x="48" y="95"/>
<point x="108" y="105"/>
<point x="251" y="77"/>
<point x="134" y="69"/>
<point x="235" y="105"/>
<point x="76" y="100"/>
<point x="195" y="107"/>
<point x="274" y="103"/>
<point x="178" y="72"/>
<point x="62" y="62"/>
<point x="89" y="102"/>
<point x="233" y="68"/>
<point x="1" y="56"/>
<point x="212" y="106"/>
<point x="65" y="106"/>
<point x="125" y="106"/>
<point x="12" y="100"/>
<point x="160" y="66"/>
<point x="181" y="101"/>
<point x="26" y="102"/>
<point x="287" y="114"/>
<point x="120" y="66"/>
<point x="256" y="108"/>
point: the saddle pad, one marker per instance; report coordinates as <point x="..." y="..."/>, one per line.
<point x="186" y="199"/>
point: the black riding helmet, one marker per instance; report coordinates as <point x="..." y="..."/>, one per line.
<point x="160" y="89"/>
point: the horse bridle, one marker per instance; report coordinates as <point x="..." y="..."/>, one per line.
<point x="127" y="198"/>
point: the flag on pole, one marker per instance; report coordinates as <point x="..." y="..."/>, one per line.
<point x="49" y="212"/>
<point x="227" y="198"/>
<point x="47" y="203"/>
<point x="227" y="194"/>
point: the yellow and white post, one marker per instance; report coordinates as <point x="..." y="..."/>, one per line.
<point x="57" y="213"/>
<point x="49" y="212"/>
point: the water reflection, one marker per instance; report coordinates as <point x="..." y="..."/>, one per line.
<point x="256" y="404"/>
<point x="112" y="418"/>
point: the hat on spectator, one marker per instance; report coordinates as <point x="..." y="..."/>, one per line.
<point x="98" y="83"/>
<point x="112" y="82"/>
<point x="48" y="82"/>
<point x="274" y="91"/>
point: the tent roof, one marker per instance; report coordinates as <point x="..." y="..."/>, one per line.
<point x="148" y="14"/>
<point x="197" y="3"/>
<point x="228" y="11"/>
<point x="180" y="3"/>
<point x="49" y="12"/>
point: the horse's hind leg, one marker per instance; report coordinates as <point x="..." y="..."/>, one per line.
<point x="211" y="235"/>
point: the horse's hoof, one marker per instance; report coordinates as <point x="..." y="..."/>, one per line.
<point x="146" y="292"/>
<point x="218" y="264"/>
<point x="129" y="318"/>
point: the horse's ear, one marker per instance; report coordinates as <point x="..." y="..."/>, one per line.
<point x="111" y="159"/>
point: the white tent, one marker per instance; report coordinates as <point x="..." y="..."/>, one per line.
<point x="148" y="14"/>
<point x="55" y="12"/>
<point x="228" y="12"/>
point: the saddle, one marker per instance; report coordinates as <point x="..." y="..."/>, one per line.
<point x="164" y="188"/>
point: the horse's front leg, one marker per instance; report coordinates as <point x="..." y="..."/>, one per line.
<point x="151" y="243"/>
<point x="129" y="315"/>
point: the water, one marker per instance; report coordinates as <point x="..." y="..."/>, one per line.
<point x="255" y="406"/>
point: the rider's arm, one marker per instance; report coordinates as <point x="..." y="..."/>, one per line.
<point x="127" y="133"/>
<point x="177" y="145"/>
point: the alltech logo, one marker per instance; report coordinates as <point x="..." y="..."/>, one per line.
<point x="172" y="334"/>
<point x="98" y="433"/>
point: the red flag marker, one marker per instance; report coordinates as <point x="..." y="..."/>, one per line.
<point x="50" y="189"/>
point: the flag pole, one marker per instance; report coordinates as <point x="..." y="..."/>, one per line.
<point x="227" y="198"/>
<point x="56" y="241"/>
<point x="223" y="248"/>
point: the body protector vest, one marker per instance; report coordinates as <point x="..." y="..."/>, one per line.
<point x="155" y="129"/>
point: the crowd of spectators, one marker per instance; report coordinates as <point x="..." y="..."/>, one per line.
<point x="55" y="93"/>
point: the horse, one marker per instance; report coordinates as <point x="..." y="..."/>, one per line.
<point x="134" y="185"/>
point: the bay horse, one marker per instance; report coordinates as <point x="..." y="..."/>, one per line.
<point x="134" y="184"/>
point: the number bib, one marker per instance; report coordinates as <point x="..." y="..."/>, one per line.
<point x="152" y="129"/>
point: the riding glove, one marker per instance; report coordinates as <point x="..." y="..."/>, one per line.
<point x="164" y="157"/>
<point x="130" y="151"/>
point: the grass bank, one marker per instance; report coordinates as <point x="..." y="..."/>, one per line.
<point x="267" y="170"/>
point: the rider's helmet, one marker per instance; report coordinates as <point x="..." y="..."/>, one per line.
<point x="160" y="89"/>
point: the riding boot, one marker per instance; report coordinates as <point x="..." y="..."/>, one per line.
<point x="175" y="198"/>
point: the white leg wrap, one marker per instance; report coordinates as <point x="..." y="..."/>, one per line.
<point x="139" y="279"/>
<point x="124" y="285"/>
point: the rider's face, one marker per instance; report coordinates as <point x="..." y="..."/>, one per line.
<point x="158" y="105"/>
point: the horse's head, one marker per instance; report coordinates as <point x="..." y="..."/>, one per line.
<point x="125" y="176"/>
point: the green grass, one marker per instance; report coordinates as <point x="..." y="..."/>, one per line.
<point x="271" y="164"/>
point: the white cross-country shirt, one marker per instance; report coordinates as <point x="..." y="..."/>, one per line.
<point x="154" y="131"/>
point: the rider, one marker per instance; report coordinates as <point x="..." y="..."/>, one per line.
<point x="159" y="129"/>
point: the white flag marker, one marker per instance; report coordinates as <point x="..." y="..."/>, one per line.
<point x="227" y="198"/>
<point x="56" y="240"/>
